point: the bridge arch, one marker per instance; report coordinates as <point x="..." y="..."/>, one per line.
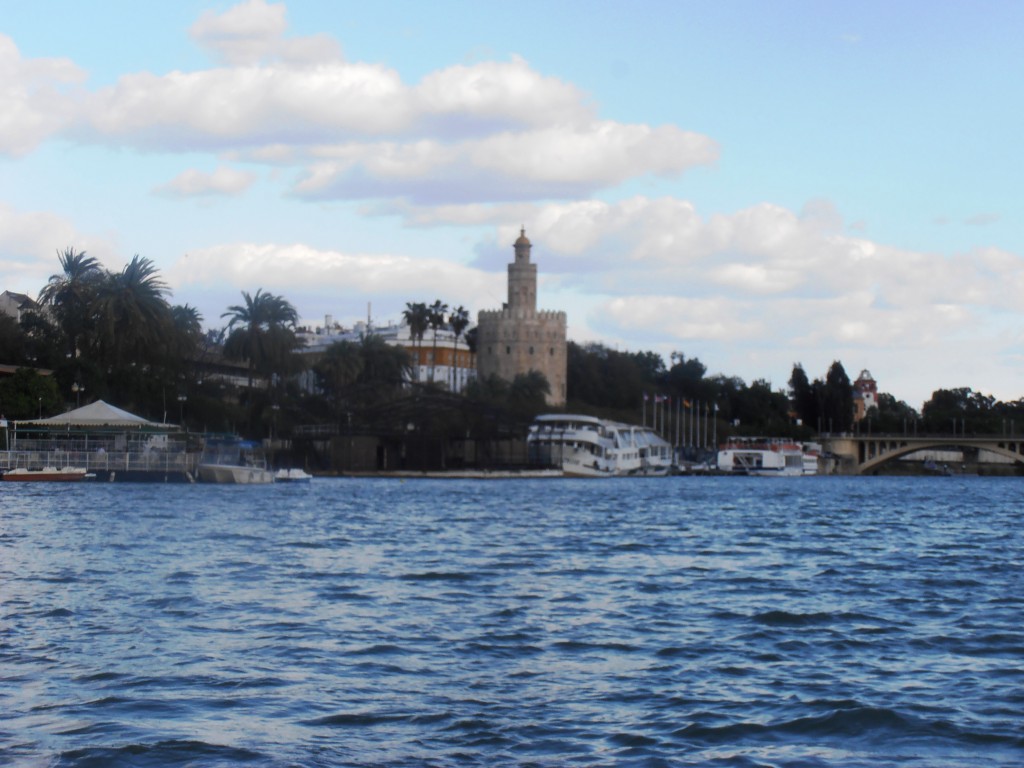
<point x="859" y="454"/>
<point x="891" y="453"/>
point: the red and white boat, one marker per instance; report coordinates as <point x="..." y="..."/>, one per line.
<point x="46" y="475"/>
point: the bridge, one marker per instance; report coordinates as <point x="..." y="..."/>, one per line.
<point x="865" y="454"/>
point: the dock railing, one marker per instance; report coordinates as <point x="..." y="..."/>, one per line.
<point x="105" y="461"/>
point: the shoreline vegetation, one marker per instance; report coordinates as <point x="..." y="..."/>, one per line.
<point x="96" y="334"/>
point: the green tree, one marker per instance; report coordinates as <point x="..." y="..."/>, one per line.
<point x="385" y="369"/>
<point x="359" y="375"/>
<point x="261" y="332"/>
<point x="837" y="400"/>
<point x="70" y="295"/>
<point x="26" y="394"/>
<point x="805" y="397"/>
<point x="527" y="394"/>
<point x="417" y="317"/>
<point x="188" y="326"/>
<point x="13" y="343"/>
<point x="962" y="409"/>
<point x="132" y="315"/>
<point x="891" y="415"/>
<point x="339" y="369"/>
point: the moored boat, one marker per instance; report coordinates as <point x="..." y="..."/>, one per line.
<point x="234" y="473"/>
<point x="292" y="476"/>
<point x="586" y="446"/>
<point x="46" y="474"/>
<point x="233" y="462"/>
<point x="766" y="457"/>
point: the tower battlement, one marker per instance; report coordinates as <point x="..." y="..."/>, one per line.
<point x="544" y="315"/>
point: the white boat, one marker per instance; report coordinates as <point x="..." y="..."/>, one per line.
<point x="47" y="474"/>
<point x="586" y="446"/>
<point x="292" y="476"/>
<point x="233" y="461"/>
<point x="234" y="473"/>
<point x="766" y="457"/>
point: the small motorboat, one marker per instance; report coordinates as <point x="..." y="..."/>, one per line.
<point x="47" y="474"/>
<point x="292" y="476"/>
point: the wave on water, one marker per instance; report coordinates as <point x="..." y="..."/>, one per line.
<point x="867" y="726"/>
<point x="781" y="618"/>
<point x="162" y="753"/>
<point x="456" y="576"/>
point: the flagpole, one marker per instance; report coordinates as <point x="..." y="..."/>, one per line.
<point x="679" y="405"/>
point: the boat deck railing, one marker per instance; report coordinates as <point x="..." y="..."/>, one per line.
<point x="105" y="461"/>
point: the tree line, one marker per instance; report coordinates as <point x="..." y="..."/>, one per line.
<point x="116" y="335"/>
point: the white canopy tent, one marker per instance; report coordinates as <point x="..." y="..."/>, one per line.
<point x="98" y="414"/>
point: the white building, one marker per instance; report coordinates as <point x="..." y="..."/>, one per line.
<point x="449" y="364"/>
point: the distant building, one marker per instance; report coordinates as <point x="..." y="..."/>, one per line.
<point x="865" y="395"/>
<point x="449" y="364"/>
<point x="517" y="338"/>
<point x="14" y="304"/>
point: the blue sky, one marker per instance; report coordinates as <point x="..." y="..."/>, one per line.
<point x="754" y="184"/>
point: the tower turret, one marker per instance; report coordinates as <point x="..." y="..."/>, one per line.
<point x="522" y="278"/>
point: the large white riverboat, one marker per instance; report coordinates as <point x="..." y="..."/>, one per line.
<point x="766" y="457"/>
<point x="586" y="446"/>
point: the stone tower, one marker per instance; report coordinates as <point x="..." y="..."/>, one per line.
<point x="517" y="338"/>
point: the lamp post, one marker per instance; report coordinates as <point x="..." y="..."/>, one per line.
<point x="78" y="389"/>
<point x="182" y="399"/>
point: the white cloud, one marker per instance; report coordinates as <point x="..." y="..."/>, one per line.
<point x="247" y="106"/>
<point x="193" y="183"/>
<point x="30" y="241"/>
<point x="507" y="92"/>
<point x="556" y="162"/>
<point x="298" y="268"/>
<point x="253" y="31"/>
<point x="491" y="131"/>
<point x="35" y="98"/>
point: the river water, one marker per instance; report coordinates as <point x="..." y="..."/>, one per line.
<point x="663" y="622"/>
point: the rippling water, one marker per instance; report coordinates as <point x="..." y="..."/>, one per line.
<point x="680" y="621"/>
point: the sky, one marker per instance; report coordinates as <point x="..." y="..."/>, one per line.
<point x="752" y="184"/>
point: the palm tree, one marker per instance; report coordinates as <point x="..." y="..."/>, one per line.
<point x="132" y="314"/>
<point x="417" y="317"/>
<point x="260" y="331"/>
<point x="458" y="320"/>
<point x="184" y="341"/>
<point x="70" y="295"/>
<point x="436" y="317"/>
